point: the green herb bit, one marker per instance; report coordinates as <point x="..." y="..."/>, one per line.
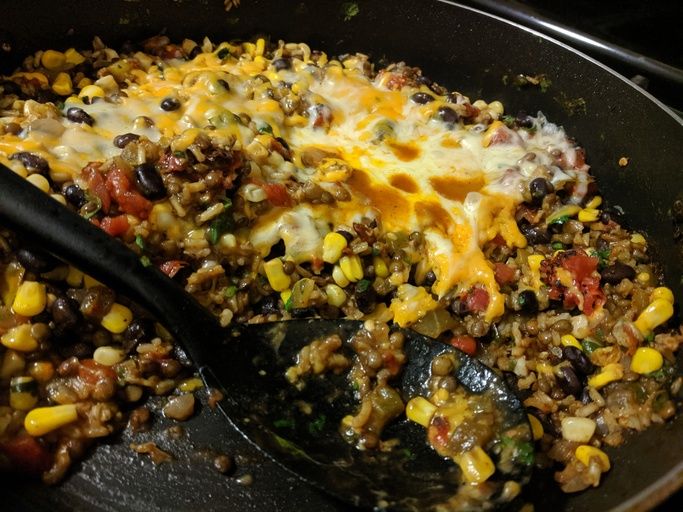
<point x="284" y="423"/>
<point x="230" y="291"/>
<point x="363" y="285"/>
<point x="349" y="10"/>
<point x="265" y="128"/>
<point x="145" y="261"/>
<point x="316" y="426"/>
<point x="557" y="246"/>
<point x="560" y="220"/>
<point x="140" y="242"/>
<point x="179" y="154"/>
<point x="589" y="345"/>
<point x="223" y="53"/>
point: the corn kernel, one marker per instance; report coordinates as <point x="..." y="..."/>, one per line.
<point x="496" y="107"/>
<point x="352" y="267"/>
<point x="260" y="46"/>
<point x="570" y="341"/>
<point x="23" y="393"/>
<point x="108" y="356"/>
<point x="30" y="299"/>
<point x="39" y="181"/>
<point x="190" y="385"/>
<point x="339" y="277"/>
<point x="62" y="84"/>
<point x="662" y="292"/>
<point x="654" y="315"/>
<point x="420" y="410"/>
<point x="333" y="245"/>
<point x="476" y="465"/>
<point x="73" y="58"/>
<point x="490" y="131"/>
<point x="278" y="280"/>
<point x="589" y="215"/>
<point x="89" y="281"/>
<point x="637" y="238"/>
<point x="13" y="363"/>
<point x="568" y="210"/>
<point x="610" y="373"/>
<point x="118" y="318"/>
<point x="440" y="397"/>
<point x="336" y="296"/>
<point x="381" y="269"/>
<point x="643" y="277"/>
<point x="585" y="453"/>
<point x="594" y="202"/>
<point x="536" y="427"/>
<point x="53" y="60"/>
<point x="83" y="83"/>
<point x="646" y="360"/>
<point x="285" y="295"/>
<point x="91" y="91"/>
<point x="74" y="278"/>
<point x="42" y="420"/>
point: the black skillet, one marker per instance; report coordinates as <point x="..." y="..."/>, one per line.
<point x="464" y="50"/>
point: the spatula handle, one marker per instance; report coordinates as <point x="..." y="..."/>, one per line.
<point x="60" y="231"/>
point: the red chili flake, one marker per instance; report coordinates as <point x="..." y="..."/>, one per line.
<point x="172" y="267"/>
<point x="465" y="343"/>
<point x="115" y="226"/>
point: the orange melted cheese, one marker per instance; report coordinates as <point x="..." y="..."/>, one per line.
<point x="411" y="171"/>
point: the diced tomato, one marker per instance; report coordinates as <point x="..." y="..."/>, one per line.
<point x="438" y="433"/>
<point x="172" y="267"/>
<point x="477" y="299"/>
<point x="503" y="273"/>
<point x="26" y="455"/>
<point x="92" y="372"/>
<point x="115" y="226"/>
<point x="498" y="240"/>
<point x="580" y="265"/>
<point x="465" y="343"/>
<point x="129" y="200"/>
<point x="96" y="184"/>
<point x="501" y="136"/>
<point x="277" y="194"/>
<point x="171" y="163"/>
<point x="593" y="296"/>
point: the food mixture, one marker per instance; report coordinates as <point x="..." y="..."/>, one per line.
<point x="274" y="182"/>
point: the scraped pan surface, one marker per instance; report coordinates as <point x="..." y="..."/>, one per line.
<point x="462" y="49"/>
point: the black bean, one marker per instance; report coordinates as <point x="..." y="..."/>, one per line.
<point x="170" y="104"/>
<point x="139" y="330"/>
<point x="149" y="181"/>
<point x="78" y="115"/>
<point x="422" y="98"/>
<point x="269" y="305"/>
<point x="10" y="87"/>
<point x="534" y="234"/>
<point x="616" y="272"/>
<point x="121" y="141"/>
<point x="448" y="115"/>
<point x="36" y="261"/>
<point x="568" y="381"/>
<point x="65" y="312"/>
<point x="611" y="214"/>
<point x="74" y="195"/>
<point x="224" y="84"/>
<point x="31" y="161"/>
<point x="349" y="237"/>
<point x="578" y="359"/>
<point x="97" y="302"/>
<point x="524" y="120"/>
<point x="282" y="63"/>
<point x="194" y="52"/>
<point x="366" y="299"/>
<point x="430" y="278"/>
<point x="459" y="307"/>
<point x="539" y="188"/>
<point x="527" y="301"/>
<point x="302" y="312"/>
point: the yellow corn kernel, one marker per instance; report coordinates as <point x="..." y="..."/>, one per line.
<point x="535" y="261"/>
<point x="62" y="84"/>
<point x="420" y="410"/>
<point x="381" y="269"/>
<point x="42" y="420"/>
<point x="260" y="46"/>
<point x="13" y="363"/>
<point x="335" y="295"/>
<point x="83" y="83"/>
<point x="91" y="91"/>
<point x="544" y="368"/>
<point x="89" y="281"/>
<point x="643" y="277"/>
<point x="53" y="60"/>
<point x="568" y="340"/>
<point x="536" y="427"/>
<point x="39" y="181"/>
<point x="339" y="276"/>
<point x="73" y="57"/>
<point x="595" y="202"/>
<point x="589" y="215"/>
<point x="278" y="280"/>
<point x="662" y="292"/>
<point x="118" y="318"/>
<point x="190" y="385"/>
<point x="74" y="278"/>
<point x="655" y="314"/>
<point x="23" y="393"/>
<point x="333" y="245"/>
<point x="496" y="107"/>
<point x="490" y="131"/>
<point x="285" y="295"/>
<point x="476" y="465"/>
<point x="352" y="267"/>
<point x="30" y="299"/>
<point x="439" y="397"/>
<point x="584" y="453"/>
<point x="609" y="373"/>
<point x="108" y="356"/>
<point x="637" y="238"/>
<point x="646" y="360"/>
<point x="568" y="210"/>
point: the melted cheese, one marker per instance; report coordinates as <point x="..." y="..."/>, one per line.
<point x="410" y="170"/>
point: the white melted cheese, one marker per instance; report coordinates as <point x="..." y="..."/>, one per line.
<point x="423" y="175"/>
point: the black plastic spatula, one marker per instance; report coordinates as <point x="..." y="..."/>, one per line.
<point x="248" y="364"/>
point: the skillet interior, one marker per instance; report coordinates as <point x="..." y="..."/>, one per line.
<point x="464" y="50"/>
